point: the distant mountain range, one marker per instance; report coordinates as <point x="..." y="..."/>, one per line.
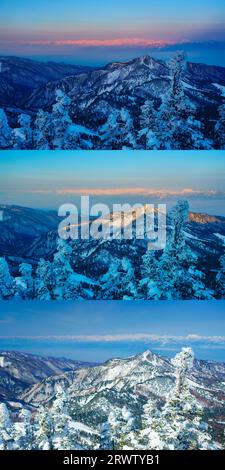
<point x="20" y="77"/>
<point x="92" y="392"/>
<point x="19" y="371"/>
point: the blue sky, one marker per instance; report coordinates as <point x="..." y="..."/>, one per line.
<point x="47" y="180"/>
<point x="102" y="329"/>
<point x="92" y="27"/>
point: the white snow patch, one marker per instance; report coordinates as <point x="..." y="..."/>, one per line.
<point x="221" y="237"/>
<point x="221" y="88"/>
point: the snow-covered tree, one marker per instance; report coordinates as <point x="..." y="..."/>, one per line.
<point x="177" y="273"/>
<point x="23" y="431"/>
<point x="61" y="269"/>
<point x="220" y="279"/>
<point x="129" y="288"/>
<point x="63" y="437"/>
<point x="179" y="424"/>
<point x="60" y="119"/>
<point x="43" y="280"/>
<point x="6" y="435"/>
<point x="149" y="271"/>
<point x="43" y="433"/>
<point x="148" y="134"/>
<point x="6" y="281"/>
<point x="220" y="128"/>
<point x="119" y="281"/>
<point x="78" y="137"/>
<point x="178" y="127"/>
<point x="24" y="284"/>
<point x="43" y="131"/>
<point x="23" y="136"/>
<point x="126" y="137"/>
<point x="109" y="132"/>
<point x="5" y="131"/>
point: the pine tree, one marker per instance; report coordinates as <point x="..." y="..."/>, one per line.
<point x="179" y="424"/>
<point x="43" y="280"/>
<point x="43" y="434"/>
<point x="110" y="131"/>
<point x="6" y="436"/>
<point x="220" y="279"/>
<point x="43" y="131"/>
<point x="24" y="284"/>
<point x="60" y="119"/>
<point x="23" y="136"/>
<point x="148" y="134"/>
<point x="6" y="281"/>
<point x="220" y="129"/>
<point x="178" y="277"/>
<point x="23" y="431"/>
<point x="61" y="269"/>
<point x="178" y="127"/>
<point x="119" y="281"/>
<point x="126" y="138"/>
<point x="149" y="272"/>
<point x="128" y="289"/>
<point x="5" y="131"/>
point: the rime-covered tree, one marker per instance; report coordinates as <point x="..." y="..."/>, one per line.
<point x="179" y="424"/>
<point x="178" y="127"/>
<point x="60" y="119"/>
<point x="61" y="269"/>
<point x="177" y="275"/>
<point x="149" y="275"/>
<point x="43" y="280"/>
<point x="148" y="134"/>
<point x="23" y="136"/>
<point x="126" y="137"/>
<point x="119" y="281"/>
<point x="105" y="440"/>
<point x="220" y="279"/>
<point x="43" y="434"/>
<point x="220" y="128"/>
<point x="5" y="131"/>
<point x="24" y="284"/>
<point x="78" y="137"/>
<point x="23" y="431"/>
<point x="6" y="281"/>
<point x="129" y="287"/>
<point x="43" y="131"/>
<point x="6" y="428"/>
<point x="110" y="131"/>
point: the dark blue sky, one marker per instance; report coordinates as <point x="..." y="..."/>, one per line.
<point x="102" y="329"/>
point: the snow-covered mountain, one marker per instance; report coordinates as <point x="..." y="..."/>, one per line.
<point x="19" y="371"/>
<point x="94" y="392"/>
<point x="95" y="94"/>
<point x="19" y="77"/>
<point x="143" y="401"/>
<point x="27" y="235"/>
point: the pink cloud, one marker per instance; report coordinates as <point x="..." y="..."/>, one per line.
<point x="127" y="191"/>
<point x="100" y="42"/>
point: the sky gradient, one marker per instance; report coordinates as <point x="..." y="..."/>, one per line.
<point x="47" y="180"/>
<point x="98" y="330"/>
<point x="97" y="32"/>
